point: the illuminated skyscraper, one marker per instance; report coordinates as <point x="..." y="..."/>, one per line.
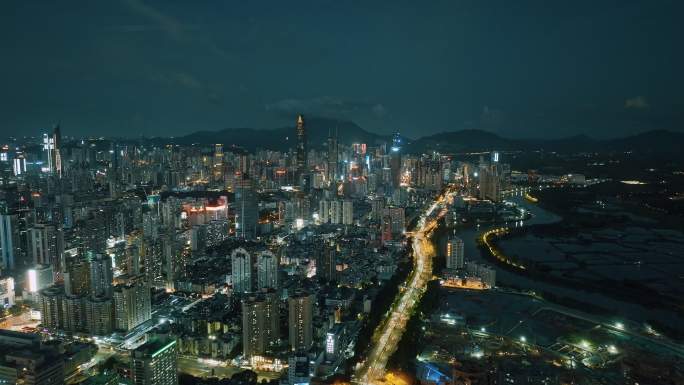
<point x="77" y="277"/>
<point x="324" y="211"/>
<point x="300" y="306"/>
<point x="336" y="212"/>
<point x="39" y="277"/>
<point x="101" y="276"/>
<point x="51" y="307"/>
<point x="454" y="253"/>
<point x="301" y="145"/>
<point x="332" y="156"/>
<point x="267" y="270"/>
<point x="7" y="295"/>
<point x="10" y="243"/>
<point x="47" y="246"/>
<point x="246" y="208"/>
<point x="260" y="323"/>
<point x="242" y="270"/>
<point x="132" y="303"/>
<point x="490" y="181"/>
<point x="326" y="264"/>
<point x="99" y="316"/>
<point x="395" y="160"/>
<point x="74" y="313"/>
<point x="347" y="212"/>
<point x="56" y="151"/>
<point x="155" y="362"/>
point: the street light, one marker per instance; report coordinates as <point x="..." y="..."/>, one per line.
<point x="523" y="339"/>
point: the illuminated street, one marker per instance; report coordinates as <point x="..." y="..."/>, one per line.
<point x="389" y="333"/>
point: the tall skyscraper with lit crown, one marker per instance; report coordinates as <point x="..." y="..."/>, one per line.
<point x="301" y="145"/>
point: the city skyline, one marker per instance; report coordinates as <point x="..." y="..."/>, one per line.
<point x="341" y="193"/>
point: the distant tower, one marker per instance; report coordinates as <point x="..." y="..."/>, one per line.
<point x="301" y="145"/>
<point x="56" y="155"/>
<point x="332" y="156"/>
<point x="395" y="160"/>
<point x="246" y="208"/>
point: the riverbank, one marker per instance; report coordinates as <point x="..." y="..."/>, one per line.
<point x="557" y="290"/>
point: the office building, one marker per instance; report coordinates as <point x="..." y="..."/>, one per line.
<point x="301" y="145"/>
<point x="77" y="277"/>
<point x="132" y="303"/>
<point x="298" y="370"/>
<point x="7" y="296"/>
<point x="336" y="212"/>
<point x="333" y="342"/>
<point x="152" y="256"/>
<point x="155" y="362"/>
<point x="9" y="241"/>
<point x="324" y="211"/>
<point x="486" y="273"/>
<point x="101" y="275"/>
<point x="326" y="264"/>
<point x="47" y="246"/>
<point x="242" y="270"/>
<point x="348" y="212"/>
<point x="260" y="323"/>
<point x="267" y="270"/>
<point x="490" y="181"/>
<point x="99" y="316"/>
<point x="246" y="208"/>
<point x="74" y="313"/>
<point x="300" y="325"/>
<point x="29" y="363"/>
<point x="455" y="253"/>
<point x="39" y="277"/>
<point x="396" y="218"/>
<point x="51" y="307"/>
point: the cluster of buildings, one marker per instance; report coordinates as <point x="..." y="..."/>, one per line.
<point x="275" y="255"/>
<point x="460" y="273"/>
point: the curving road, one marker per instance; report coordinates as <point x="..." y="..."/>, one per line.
<point x="388" y="334"/>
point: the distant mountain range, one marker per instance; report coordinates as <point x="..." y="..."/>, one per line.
<point x="655" y="141"/>
<point x="283" y="138"/>
<point x="318" y="129"/>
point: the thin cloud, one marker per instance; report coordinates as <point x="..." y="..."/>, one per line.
<point x="172" y="27"/>
<point x="328" y="106"/>
<point x="637" y="103"/>
<point x="182" y="79"/>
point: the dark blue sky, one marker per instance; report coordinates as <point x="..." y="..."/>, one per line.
<point x="170" y="67"/>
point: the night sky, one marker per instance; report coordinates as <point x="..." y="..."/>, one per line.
<point x="171" y="67"/>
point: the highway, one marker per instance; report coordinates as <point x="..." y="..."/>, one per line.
<point x="389" y="332"/>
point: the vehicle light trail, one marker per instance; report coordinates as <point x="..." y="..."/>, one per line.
<point x="388" y="334"/>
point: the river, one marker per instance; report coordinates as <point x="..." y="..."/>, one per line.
<point x="623" y="310"/>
